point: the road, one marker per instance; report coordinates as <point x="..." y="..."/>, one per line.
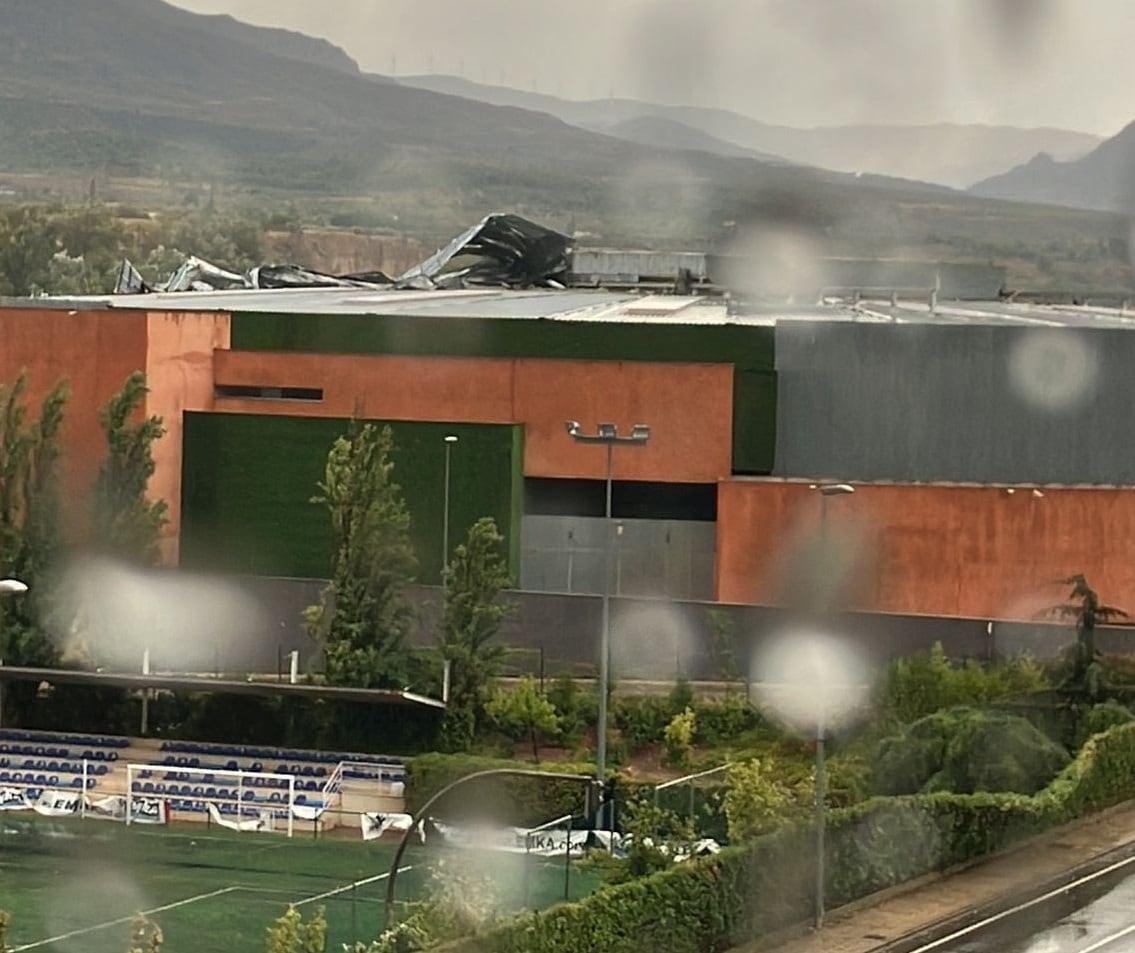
<point x="1094" y="914"/>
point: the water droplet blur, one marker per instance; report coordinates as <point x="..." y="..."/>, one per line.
<point x="805" y="677"/>
<point x="111" y="614"/>
<point x="1053" y="370"/>
<point x="651" y="641"/>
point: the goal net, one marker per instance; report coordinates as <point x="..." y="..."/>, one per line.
<point x="237" y="800"/>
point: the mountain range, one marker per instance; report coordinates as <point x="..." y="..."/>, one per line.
<point x="947" y="154"/>
<point x="1103" y="179"/>
<point x="157" y="102"/>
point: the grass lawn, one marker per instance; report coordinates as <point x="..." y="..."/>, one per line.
<point x="75" y="885"/>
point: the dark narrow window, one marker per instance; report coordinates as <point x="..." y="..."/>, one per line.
<point x="269" y="393"/>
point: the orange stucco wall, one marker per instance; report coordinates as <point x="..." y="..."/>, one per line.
<point x="179" y="367"/>
<point x="689" y="406"/>
<point x="96" y="351"/>
<point x="936" y="550"/>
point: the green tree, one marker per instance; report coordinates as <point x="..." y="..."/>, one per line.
<point x="30" y="536"/>
<point x="26" y="250"/>
<point x="525" y="713"/>
<point x="471" y="619"/>
<point x="1085" y="608"/>
<point x="126" y="524"/>
<point x="364" y="616"/>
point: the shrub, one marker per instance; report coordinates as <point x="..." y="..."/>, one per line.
<point x="578" y="711"/>
<point x="679" y="738"/>
<point x="723" y="721"/>
<point x="642" y="721"/>
<point x="965" y="750"/>
<point x="913" y="687"/>
<point x="1099" y="718"/>
<point x="524" y="714"/>
<point x="756" y="800"/>
<point x="289" y="934"/>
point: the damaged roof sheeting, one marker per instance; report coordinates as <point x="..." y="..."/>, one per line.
<point x="500" y="251"/>
<point x="195" y="274"/>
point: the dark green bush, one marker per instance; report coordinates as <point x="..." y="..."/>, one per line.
<point x="722" y="721"/>
<point x="1100" y="718"/>
<point x="642" y="721"/>
<point x="966" y="750"/>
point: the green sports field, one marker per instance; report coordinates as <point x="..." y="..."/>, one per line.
<point x="75" y="885"/>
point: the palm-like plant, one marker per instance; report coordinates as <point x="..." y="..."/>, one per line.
<point x="1084" y="607"/>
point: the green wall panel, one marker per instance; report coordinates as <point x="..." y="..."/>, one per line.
<point x="751" y="350"/>
<point x="247" y="481"/>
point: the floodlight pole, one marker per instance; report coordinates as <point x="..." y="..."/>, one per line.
<point x="608" y="436"/>
<point x="450" y="440"/>
<point x="833" y="489"/>
<point x="8" y="587"/>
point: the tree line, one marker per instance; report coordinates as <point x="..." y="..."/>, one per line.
<point x="62" y="250"/>
<point x="121" y="521"/>
<point x="364" y="619"/>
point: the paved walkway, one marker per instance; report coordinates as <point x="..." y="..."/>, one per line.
<point x="870" y="923"/>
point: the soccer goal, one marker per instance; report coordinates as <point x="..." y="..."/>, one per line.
<point x="238" y="800"/>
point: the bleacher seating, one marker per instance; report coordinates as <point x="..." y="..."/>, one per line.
<point x="60" y="738"/>
<point x="275" y="754"/>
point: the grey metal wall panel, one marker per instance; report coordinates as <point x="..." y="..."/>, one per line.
<point x="955" y="403"/>
<point x="566" y="554"/>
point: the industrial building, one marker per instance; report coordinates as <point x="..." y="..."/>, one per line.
<point x="987" y="443"/>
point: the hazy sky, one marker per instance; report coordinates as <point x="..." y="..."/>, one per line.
<point x="804" y="62"/>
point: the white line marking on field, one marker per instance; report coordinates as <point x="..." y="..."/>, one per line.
<point x="121" y="920"/>
<point x="338" y="890"/>
<point x="1100" y="944"/>
<point x="973" y="928"/>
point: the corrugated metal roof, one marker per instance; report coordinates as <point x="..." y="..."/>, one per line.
<point x="603" y="306"/>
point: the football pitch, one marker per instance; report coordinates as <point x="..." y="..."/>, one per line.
<point x="76" y="885"/>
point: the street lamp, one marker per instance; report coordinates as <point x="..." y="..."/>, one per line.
<point x="826" y="490"/>
<point x="8" y="587"/>
<point x="450" y="440"/>
<point x="608" y="435"/>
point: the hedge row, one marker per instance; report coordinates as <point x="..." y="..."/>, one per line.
<point x="744" y="892"/>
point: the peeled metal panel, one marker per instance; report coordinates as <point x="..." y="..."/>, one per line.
<point x="957" y="403"/>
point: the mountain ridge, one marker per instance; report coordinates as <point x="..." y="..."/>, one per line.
<point x="942" y="153"/>
<point x="1100" y="180"/>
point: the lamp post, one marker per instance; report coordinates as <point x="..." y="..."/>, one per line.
<point x="608" y="436"/>
<point x="450" y="440"/>
<point x="8" y="587"/>
<point x="832" y="489"/>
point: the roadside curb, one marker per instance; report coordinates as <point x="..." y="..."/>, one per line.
<point x="939" y="929"/>
<point x="935" y="929"/>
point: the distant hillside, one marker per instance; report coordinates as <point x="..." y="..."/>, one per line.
<point x="144" y="103"/>
<point x="953" y="155"/>
<point x="284" y="43"/>
<point x="1100" y="180"/>
<point x="661" y="133"/>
